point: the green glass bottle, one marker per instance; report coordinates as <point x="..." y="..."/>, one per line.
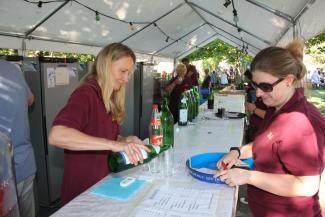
<point x="197" y="97"/>
<point x="211" y="99"/>
<point x="183" y="111"/>
<point x="195" y="109"/>
<point x="119" y="161"/>
<point x="167" y="122"/>
<point x="189" y="106"/>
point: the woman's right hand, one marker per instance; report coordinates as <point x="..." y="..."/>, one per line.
<point x="250" y="106"/>
<point x="132" y="149"/>
<point x="179" y="80"/>
<point x="228" y="160"/>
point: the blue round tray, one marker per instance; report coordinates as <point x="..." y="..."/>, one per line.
<point x="208" y="160"/>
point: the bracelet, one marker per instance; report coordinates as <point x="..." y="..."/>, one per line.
<point x="236" y="149"/>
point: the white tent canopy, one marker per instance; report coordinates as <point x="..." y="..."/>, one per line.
<point x="167" y="28"/>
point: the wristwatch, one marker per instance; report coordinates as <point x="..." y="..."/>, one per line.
<point x="254" y="110"/>
<point x="236" y="149"/>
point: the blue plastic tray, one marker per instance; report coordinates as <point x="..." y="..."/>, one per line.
<point x="209" y="160"/>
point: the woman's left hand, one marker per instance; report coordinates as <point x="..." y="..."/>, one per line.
<point x="250" y="106"/>
<point x="134" y="139"/>
<point x="233" y="177"/>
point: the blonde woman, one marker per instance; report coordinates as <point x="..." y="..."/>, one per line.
<point x="175" y="88"/>
<point x="88" y="127"/>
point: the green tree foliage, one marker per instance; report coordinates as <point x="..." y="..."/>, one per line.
<point x="32" y="53"/>
<point x="8" y="52"/>
<point x="217" y="51"/>
<point x="316" y="49"/>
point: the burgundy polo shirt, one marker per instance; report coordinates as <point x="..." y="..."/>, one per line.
<point x="291" y="142"/>
<point x="85" y="111"/>
<point x="175" y="95"/>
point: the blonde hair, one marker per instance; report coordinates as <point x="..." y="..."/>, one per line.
<point x="114" y="101"/>
<point x="180" y="67"/>
<point x="281" y="62"/>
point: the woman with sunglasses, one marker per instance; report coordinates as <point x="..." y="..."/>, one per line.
<point x="288" y="151"/>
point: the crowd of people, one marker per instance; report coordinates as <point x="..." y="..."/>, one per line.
<point x="286" y="135"/>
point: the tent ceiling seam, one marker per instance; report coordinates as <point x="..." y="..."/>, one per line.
<point x="234" y="36"/>
<point x="45" y="19"/>
<point x="178" y="39"/>
<point x="229" y="23"/>
<point x="157" y="19"/>
<point x="211" y="26"/>
<point x="200" y="15"/>
<point x="197" y="45"/>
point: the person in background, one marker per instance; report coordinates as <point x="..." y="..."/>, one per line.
<point x="255" y="107"/>
<point x="88" y="127"/>
<point x="223" y="78"/>
<point x="191" y="72"/>
<point x="207" y="80"/>
<point x="175" y="88"/>
<point x="214" y="81"/>
<point x="315" y="79"/>
<point x="15" y="98"/>
<point x="288" y="151"/>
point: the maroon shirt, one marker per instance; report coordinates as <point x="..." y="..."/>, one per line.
<point x="289" y="144"/>
<point x="85" y="111"/>
<point x="175" y="95"/>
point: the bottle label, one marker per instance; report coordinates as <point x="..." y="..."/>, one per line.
<point x="155" y="122"/>
<point x="127" y="160"/>
<point x="156" y="140"/>
<point x="183" y="115"/>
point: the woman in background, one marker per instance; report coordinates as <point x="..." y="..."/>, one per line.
<point x="176" y="87"/>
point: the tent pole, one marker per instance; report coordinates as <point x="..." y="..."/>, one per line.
<point x="177" y="57"/>
<point x="204" y="42"/>
<point x="271" y="10"/>
<point x="294" y="31"/>
<point x="162" y="16"/>
<point x="300" y="13"/>
<point x="45" y="19"/>
<point x="210" y="24"/>
<point x="237" y="43"/>
<point x="179" y="38"/>
<point x="200" y="15"/>
<point x="220" y="18"/>
<point x="234" y="37"/>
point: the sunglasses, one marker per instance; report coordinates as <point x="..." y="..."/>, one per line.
<point x="266" y="87"/>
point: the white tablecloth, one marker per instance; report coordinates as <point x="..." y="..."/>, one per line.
<point x="208" y="134"/>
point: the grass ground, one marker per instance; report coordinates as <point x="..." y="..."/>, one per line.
<point x="317" y="97"/>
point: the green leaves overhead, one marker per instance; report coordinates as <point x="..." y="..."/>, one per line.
<point x="219" y="51"/>
<point x="316" y="45"/>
